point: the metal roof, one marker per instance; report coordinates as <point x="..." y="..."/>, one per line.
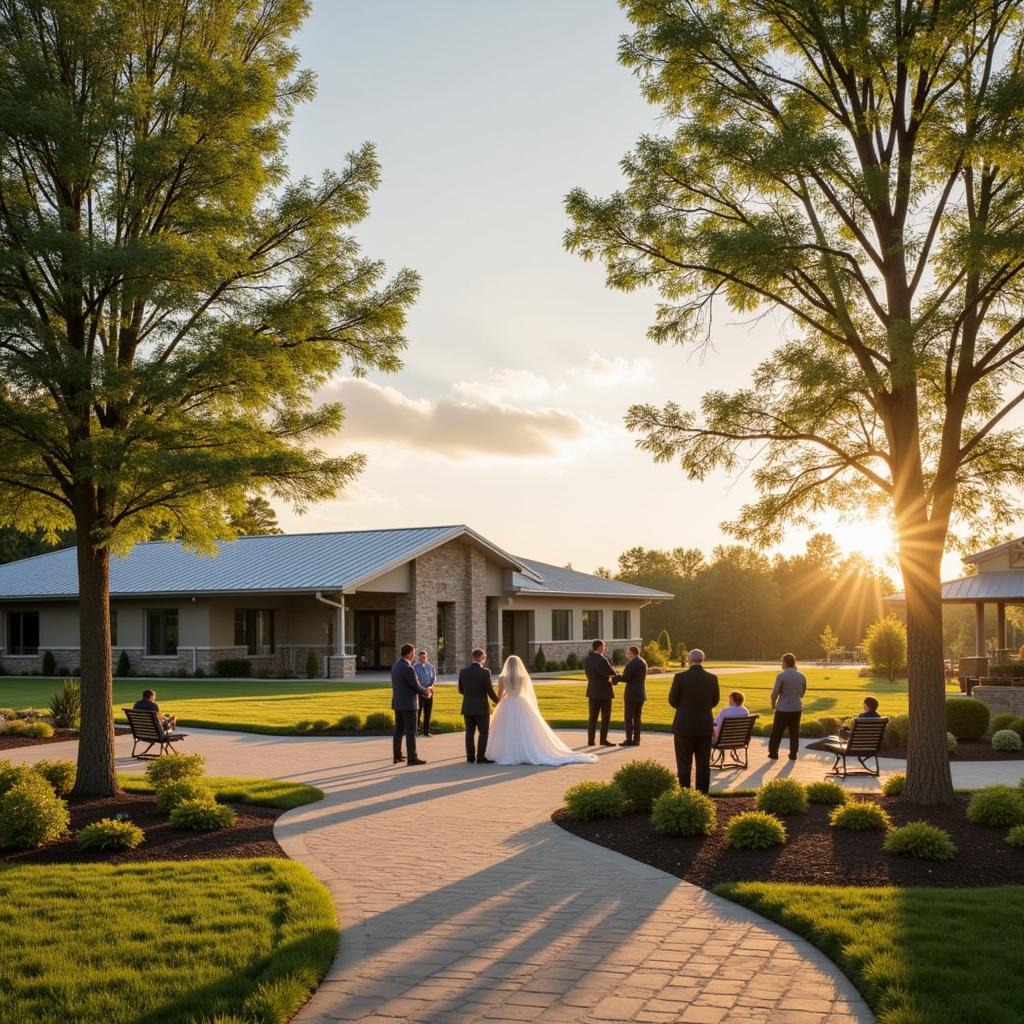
<point x="286" y="563"/>
<point x="558" y="581"/>
<point x="985" y="586"/>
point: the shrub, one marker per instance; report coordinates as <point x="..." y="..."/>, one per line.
<point x="63" y="670"/>
<point x="654" y="655"/>
<point x="829" y="793"/>
<point x="1004" y="720"/>
<point x="966" y="717"/>
<point x="202" y="815"/>
<point x="540" y="663"/>
<point x="380" y="720"/>
<point x="16" y="727"/>
<point x="312" y="664"/>
<point x="755" y="830"/>
<point x="174" y="767"/>
<point x="320" y="724"/>
<point x="897" y="732"/>
<point x="1015" y="837"/>
<point x="859" y="817"/>
<point x="921" y="840"/>
<point x="31" y="814"/>
<point x="350" y="723"/>
<point x="885" y="644"/>
<point x="110" y="834"/>
<point x="782" y="796"/>
<point x="266" y="673"/>
<point x="447" y="725"/>
<point x="642" y="782"/>
<point x="11" y="775"/>
<point x="170" y="794"/>
<point x="49" y="665"/>
<point x="894" y="785"/>
<point x="572" y="660"/>
<point x="588" y="800"/>
<point x="618" y="656"/>
<point x="1017" y="725"/>
<point x="8" y="713"/>
<point x="124" y="664"/>
<point x="811" y="729"/>
<point x="997" y="805"/>
<point x="830" y="724"/>
<point x="233" y="668"/>
<point x="66" y="705"/>
<point x="665" y="642"/>
<point x="37" y="730"/>
<point x="950" y="742"/>
<point x="683" y="812"/>
<point x="59" y="774"/>
<point x="1006" y="739"/>
<point x="304" y="726"/>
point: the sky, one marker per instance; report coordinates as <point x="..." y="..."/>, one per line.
<point x="508" y="413"/>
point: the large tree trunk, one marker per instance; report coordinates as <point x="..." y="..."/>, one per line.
<point x="929" y="780"/>
<point x="96" y="774"/>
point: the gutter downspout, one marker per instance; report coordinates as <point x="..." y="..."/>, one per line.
<point x="340" y="631"/>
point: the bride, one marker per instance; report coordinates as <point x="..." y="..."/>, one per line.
<point x="519" y="734"/>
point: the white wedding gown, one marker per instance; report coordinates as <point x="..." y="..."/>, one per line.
<point x="519" y="734"/>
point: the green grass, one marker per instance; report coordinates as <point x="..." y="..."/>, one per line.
<point x="919" y="956"/>
<point x="230" y="789"/>
<point x="161" y="943"/>
<point x="270" y="706"/>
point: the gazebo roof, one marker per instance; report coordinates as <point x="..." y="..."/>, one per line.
<point x="1000" y="577"/>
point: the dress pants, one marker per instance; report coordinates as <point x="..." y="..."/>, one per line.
<point x="634" y="709"/>
<point x="405" y="725"/>
<point x="688" y="750"/>
<point x="604" y="709"/>
<point x="481" y="726"/>
<point x="425" y="711"/>
<point x="785" y="720"/>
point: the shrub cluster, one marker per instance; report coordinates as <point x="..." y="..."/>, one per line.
<point x="233" y="668"/>
<point x="1003" y="720"/>
<point x="170" y="794"/>
<point x="1015" y="837"/>
<point x="921" y="840"/>
<point x="202" y="815"/>
<point x="967" y="717"/>
<point x="33" y="730"/>
<point x="894" y="785"/>
<point x="642" y="782"/>
<point x="755" y="830"/>
<point x="589" y="800"/>
<point x="781" y="797"/>
<point x="1006" y="739"/>
<point x="683" y="812"/>
<point x="859" y="817"/>
<point x="59" y="774"/>
<point x="350" y="723"/>
<point x="66" y="705"/>
<point x="812" y="729"/>
<point x="897" y="732"/>
<point x="380" y="720"/>
<point x="998" y="806"/>
<point x="11" y="774"/>
<point x="173" y="767"/>
<point x="31" y="814"/>
<point x="110" y="834"/>
<point x="829" y="793"/>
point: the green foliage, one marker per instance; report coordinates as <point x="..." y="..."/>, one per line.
<point x="812" y="729"/>
<point x="1017" y="725"/>
<point x="967" y="717"/>
<point x="1006" y="739"/>
<point x="36" y="730"/>
<point x="312" y="664"/>
<point x="618" y="657"/>
<point x="885" y="644"/>
<point x="829" y="793"/>
<point x="654" y="655"/>
<point x="234" y="790"/>
<point x="540" y="663"/>
<point x="110" y="834"/>
<point x="172" y="793"/>
<point x="202" y="815"/>
<point x="49" y="664"/>
<point x="897" y="733"/>
<point x="829" y="642"/>
<point x="893" y="786"/>
<point x="642" y="782"/>
<point x="861" y="816"/>
<point x="124" y="664"/>
<point x="1015" y="837"/>
<point x="951" y="743"/>
<point x="683" y="812"/>
<point x="11" y="774"/>
<point x="66" y="705"/>
<point x="1003" y="720"/>
<point x="59" y="774"/>
<point x="921" y="840"/>
<point x="320" y="725"/>
<point x="998" y="806"/>
<point x="830" y="725"/>
<point x="376" y="720"/>
<point x="665" y="643"/>
<point x="589" y="800"/>
<point x="781" y="797"/>
<point x="175" y="767"/>
<point x="233" y="668"/>
<point x="350" y="723"/>
<point x="31" y="814"/>
<point x="755" y="830"/>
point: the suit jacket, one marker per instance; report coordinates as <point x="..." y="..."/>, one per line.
<point x="477" y="689"/>
<point x="694" y="693"/>
<point x="600" y="676"/>
<point x="634" y="675"/>
<point x="406" y="689"/>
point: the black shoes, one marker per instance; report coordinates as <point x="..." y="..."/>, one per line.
<point x="773" y="757"/>
<point x="629" y="743"/>
<point x="399" y="757"/>
<point x="792" y="757"/>
<point x="471" y="760"/>
<point x="415" y="760"/>
<point x="484" y="760"/>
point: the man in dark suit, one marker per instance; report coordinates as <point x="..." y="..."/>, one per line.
<point x="478" y="694"/>
<point x="694" y="693"/>
<point x="406" y="691"/>
<point x="601" y="680"/>
<point x="634" y="675"/>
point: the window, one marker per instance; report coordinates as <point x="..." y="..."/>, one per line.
<point x="162" y="631"/>
<point x="113" y="627"/>
<point x="23" y="632"/>
<point x="561" y="624"/>
<point x="592" y="625"/>
<point x="254" y="630"/>
<point x="620" y="625"/>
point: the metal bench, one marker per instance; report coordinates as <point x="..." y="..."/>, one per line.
<point x="863" y="743"/>
<point x="732" y="737"/>
<point x="147" y="728"/>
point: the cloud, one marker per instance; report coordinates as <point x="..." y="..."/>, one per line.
<point x="600" y="372"/>
<point x="507" y="385"/>
<point x="456" y="428"/>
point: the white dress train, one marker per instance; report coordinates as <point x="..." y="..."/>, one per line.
<point x="519" y="734"/>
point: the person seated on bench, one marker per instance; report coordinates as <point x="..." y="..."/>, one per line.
<point x="148" y="703"/>
<point x="734" y="709"/>
<point x="870" y="708"/>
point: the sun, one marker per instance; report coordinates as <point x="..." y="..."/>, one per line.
<point x="872" y="537"/>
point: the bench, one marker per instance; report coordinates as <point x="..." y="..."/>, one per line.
<point x="732" y="737"/>
<point x="147" y="728"/>
<point x="863" y="743"/>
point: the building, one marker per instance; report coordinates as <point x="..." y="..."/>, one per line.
<point x="352" y="598"/>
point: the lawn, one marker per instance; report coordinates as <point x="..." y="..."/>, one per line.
<point x="919" y="956"/>
<point x="230" y="789"/>
<point x="274" y="706"/>
<point x="162" y="943"/>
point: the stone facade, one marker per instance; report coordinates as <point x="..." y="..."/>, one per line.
<point x="1001" y="698"/>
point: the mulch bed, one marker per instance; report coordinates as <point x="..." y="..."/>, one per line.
<point x="8" y="742"/>
<point x="816" y="853"/>
<point x="252" y="835"/>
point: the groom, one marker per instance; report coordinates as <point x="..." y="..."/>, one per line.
<point x="601" y="678"/>
<point x="477" y="689"/>
<point x="406" y="690"/>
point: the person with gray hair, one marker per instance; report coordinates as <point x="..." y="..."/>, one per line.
<point x="694" y="694"/>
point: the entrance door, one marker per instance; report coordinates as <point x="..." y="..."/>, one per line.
<point x="375" y="639"/>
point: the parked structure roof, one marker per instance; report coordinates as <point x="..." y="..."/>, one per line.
<point x="554" y="580"/>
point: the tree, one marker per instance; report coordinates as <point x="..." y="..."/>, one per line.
<point x="15" y="545"/>
<point x="885" y="644"/>
<point x="829" y="643"/>
<point x="258" y="518"/>
<point x="854" y="170"/>
<point x="665" y="642"/>
<point x="170" y="299"/>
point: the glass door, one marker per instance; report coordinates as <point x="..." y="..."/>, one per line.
<point x="375" y="639"/>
